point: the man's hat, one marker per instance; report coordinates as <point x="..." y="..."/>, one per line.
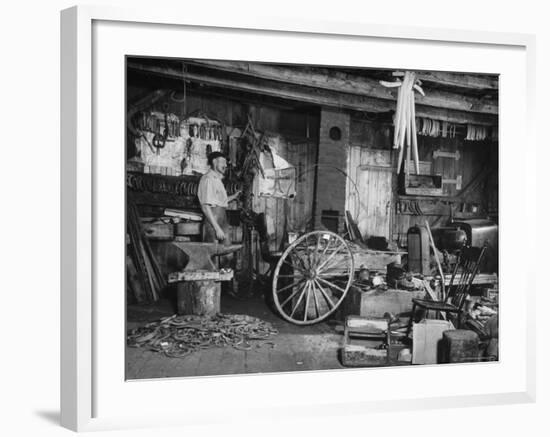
<point x="215" y="155"/>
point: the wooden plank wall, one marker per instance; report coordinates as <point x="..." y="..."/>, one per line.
<point x="298" y="133"/>
<point x="297" y="144"/>
<point x="475" y="157"/>
<point x="369" y="189"/>
<point x="298" y="139"/>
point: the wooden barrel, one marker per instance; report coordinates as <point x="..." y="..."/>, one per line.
<point x="460" y="346"/>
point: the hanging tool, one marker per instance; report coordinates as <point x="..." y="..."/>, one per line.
<point x="159" y="140"/>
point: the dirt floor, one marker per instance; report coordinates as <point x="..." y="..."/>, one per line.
<point x="295" y="347"/>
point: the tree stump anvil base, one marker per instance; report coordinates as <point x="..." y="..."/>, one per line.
<point x="198" y="284"/>
<point x="199" y="298"/>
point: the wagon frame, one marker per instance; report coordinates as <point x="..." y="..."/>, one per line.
<point x="315" y="272"/>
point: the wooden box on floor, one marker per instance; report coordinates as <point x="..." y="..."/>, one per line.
<point x="374" y="303"/>
<point x="366" y="342"/>
<point x="427" y="347"/>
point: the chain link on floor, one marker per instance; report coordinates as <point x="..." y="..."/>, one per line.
<point x="179" y="336"/>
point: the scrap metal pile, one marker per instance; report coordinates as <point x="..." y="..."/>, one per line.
<point x="178" y="336"/>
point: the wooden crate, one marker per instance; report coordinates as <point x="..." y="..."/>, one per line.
<point x="421" y="185"/>
<point x="375" y="303"/>
<point x="363" y="338"/>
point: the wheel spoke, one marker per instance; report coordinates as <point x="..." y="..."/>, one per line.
<point x="309" y="254"/>
<point x="330" y="275"/>
<point x="301" y="262"/>
<point x="292" y="276"/>
<point x="335" y="263"/>
<point x="331" y="256"/>
<point x="299" y="301"/>
<point x="289" y="298"/>
<point x="315" y="300"/>
<point x="286" y="287"/>
<point x="307" y="300"/>
<point x="294" y="267"/>
<point x="317" y="250"/>
<point x="324" y="252"/>
<point x="328" y="299"/>
<point x="304" y="246"/>
<point x="330" y="284"/>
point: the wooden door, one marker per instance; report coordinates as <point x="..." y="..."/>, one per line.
<point x="370" y="190"/>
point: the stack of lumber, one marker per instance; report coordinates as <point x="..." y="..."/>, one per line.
<point x="144" y="277"/>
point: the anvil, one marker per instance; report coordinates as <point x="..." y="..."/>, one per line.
<point x="200" y="260"/>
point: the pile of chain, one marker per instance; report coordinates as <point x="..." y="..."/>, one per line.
<point x="178" y="336"/>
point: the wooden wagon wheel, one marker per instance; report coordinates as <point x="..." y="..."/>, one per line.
<point x="312" y="277"/>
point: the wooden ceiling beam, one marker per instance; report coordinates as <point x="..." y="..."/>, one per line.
<point x="332" y="80"/>
<point x="314" y="96"/>
<point x="460" y="80"/>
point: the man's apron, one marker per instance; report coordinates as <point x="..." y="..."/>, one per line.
<point x="209" y="233"/>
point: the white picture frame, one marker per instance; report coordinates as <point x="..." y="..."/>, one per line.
<point x="92" y="394"/>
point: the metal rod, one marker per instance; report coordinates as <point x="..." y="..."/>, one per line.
<point x="436" y="257"/>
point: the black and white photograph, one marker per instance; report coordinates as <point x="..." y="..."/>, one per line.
<point x="292" y="217"/>
<point x="260" y="220"/>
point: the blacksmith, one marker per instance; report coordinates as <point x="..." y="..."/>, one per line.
<point x="214" y="200"/>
